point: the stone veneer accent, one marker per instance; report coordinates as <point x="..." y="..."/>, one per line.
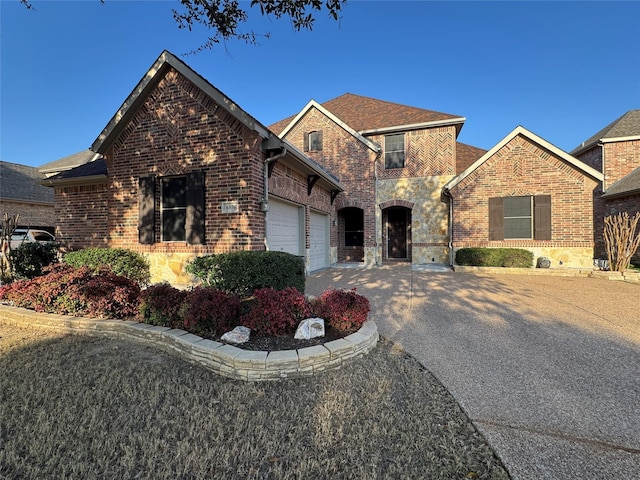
<point x="226" y="360"/>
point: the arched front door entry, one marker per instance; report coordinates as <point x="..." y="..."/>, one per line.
<point x="397" y="224"/>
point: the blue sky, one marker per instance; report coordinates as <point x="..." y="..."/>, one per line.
<point x="561" y="69"/>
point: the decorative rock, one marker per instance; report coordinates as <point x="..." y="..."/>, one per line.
<point x="543" y="262"/>
<point x="237" y="335"/>
<point x="310" y="328"/>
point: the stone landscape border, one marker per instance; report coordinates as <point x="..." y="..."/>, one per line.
<point x="632" y="276"/>
<point x="227" y="360"/>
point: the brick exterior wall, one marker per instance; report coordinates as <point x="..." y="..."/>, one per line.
<point x="521" y="168"/>
<point x="353" y="163"/>
<point x="177" y="130"/>
<point x="34" y="215"/>
<point x="81" y="214"/>
<point x="620" y="159"/>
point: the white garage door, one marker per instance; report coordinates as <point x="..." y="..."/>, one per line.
<point x="283" y="227"/>
<point x="318" y="238"/>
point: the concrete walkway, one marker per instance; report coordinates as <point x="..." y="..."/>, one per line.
<point x="548" y="368"/>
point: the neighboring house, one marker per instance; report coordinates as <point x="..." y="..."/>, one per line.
<point x="526" y="193"/>
<point x="614" y="151"/>
<point x="67" y="163"/>
<point x="393" y="161"/>
<point x="22" y="194"/>
<point x="186" y="172"/>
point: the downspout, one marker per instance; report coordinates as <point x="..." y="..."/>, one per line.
<point x="265" y="198"/>
<point x="450" y="226"/>
<point x="379" y="248"/>
<point x="604" y="174"/>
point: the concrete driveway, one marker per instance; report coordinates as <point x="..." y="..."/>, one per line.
<point x="548" y="368"/>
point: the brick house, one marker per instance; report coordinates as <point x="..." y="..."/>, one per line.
<point x="184" y="172"/>
<point x="181" y="170"/>
<point x="526" y="193"/>
<point x="22" y="194"/>
<point x="393" y="161"/>
<point x="615" y="152"/>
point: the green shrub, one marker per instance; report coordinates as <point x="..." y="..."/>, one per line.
<point x="495" y="257"/>
<point x="30" y="258"/>
<point x="121" y="261"/>
<point x="276" y="312"/>
<point x="343" y="310"/>
<point x="160" y="305"/>
<point x="76" y="291"/>
<point x="245" y="271"/>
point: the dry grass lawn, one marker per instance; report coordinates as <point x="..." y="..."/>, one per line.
<point x="83" y="407"/>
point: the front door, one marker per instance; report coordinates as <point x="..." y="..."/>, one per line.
<point x="397" y="233"/>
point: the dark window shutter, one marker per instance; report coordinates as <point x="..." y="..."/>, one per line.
<point x="542" y="217"/>
<point x="306" y="142"/>
<point x="194" y="224"/>
<point x="147" y="210"/>
<point x="320" y="140"/>
<point x="496" y="219"/>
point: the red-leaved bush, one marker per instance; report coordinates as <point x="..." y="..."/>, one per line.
<point x="209" y="311"/>
<point x="76" y="291"/>
<point x="160" y="305"/>
<point x="343" y="310"/>
<point x="276" y="312"/>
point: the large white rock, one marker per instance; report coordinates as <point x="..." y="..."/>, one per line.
<point x="237" y="335"/>
<point x="310" y="328"/>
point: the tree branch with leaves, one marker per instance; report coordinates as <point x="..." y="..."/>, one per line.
<point x="224" y="18"/>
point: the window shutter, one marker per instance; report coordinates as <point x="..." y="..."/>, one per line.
<point x="194" y="224"/>
<point x="542" y="217"/>
<point x="320" y="140"/>
<point x="147" y="210"/>
<point x="496" y="219"/>
<point x="306" y="142"/>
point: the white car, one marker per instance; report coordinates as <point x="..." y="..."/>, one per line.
<point x="23" y="235"/>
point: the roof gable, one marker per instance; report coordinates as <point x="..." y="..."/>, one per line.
<point x="139" y="94"/>
<point x="466" y="155"/>
<point x="367" y="115"/>
<point x="315" y="105"/>
<point x="584" y="168"/>
<point x="22" y="183"/>
<point x="625" y="127"/>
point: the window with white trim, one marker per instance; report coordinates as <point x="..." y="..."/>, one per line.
<point x="394" y="151"/>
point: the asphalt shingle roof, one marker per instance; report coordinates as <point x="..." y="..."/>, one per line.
<point x="627" y="185"/>
<point x="68" y="162"/>
<point x="91" y="169"/>
<point x="21" y="182"/>
<point x="628" y="125"/>
<point x="365" y="113"/>
<point x="466" y="155"/>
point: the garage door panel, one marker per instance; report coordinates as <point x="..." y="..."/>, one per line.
<point x="283" y="227"/>
<point x="318" y="239"/>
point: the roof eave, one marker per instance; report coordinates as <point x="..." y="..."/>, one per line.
<point x="68" y="182"/>
<point x="626" y="193"/>
<point x="414" y="126"/>
<point x="599" y="141"/>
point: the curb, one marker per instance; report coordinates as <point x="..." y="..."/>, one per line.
<point x="224" y="359"/>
